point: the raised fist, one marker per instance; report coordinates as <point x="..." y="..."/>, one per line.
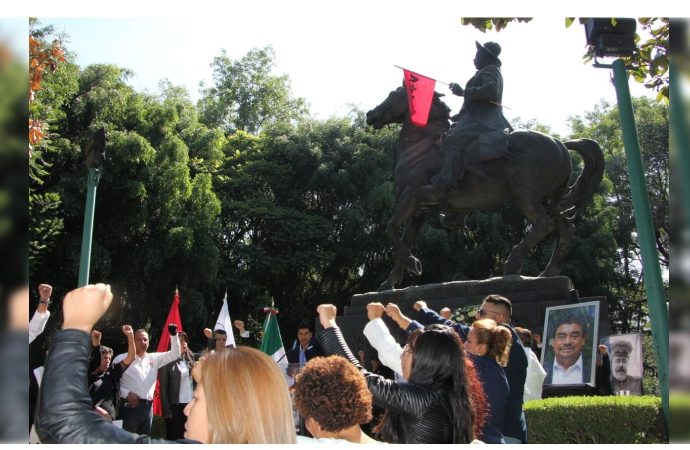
<point x="393" y="311"/>
<point x="375" y="310"/>
<point x="327" y="313"/>
<point x="419" y="304"/>
<point x="172" y="329"/>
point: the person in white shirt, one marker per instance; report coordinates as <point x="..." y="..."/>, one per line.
<point x="41" y="316"/>
<point x="535" y="372"/>
<point x="139" y="381"/>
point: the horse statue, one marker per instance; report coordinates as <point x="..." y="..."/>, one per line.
<point x="534" y="174"/>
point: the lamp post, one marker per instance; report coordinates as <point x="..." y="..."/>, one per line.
<point x="95" y="155"/>
<point x="615" y="37"/>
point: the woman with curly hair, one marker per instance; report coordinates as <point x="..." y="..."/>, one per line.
<point x="435" y="406"/>
<point x="488" y="345"/>
<point x="332" y="396"/>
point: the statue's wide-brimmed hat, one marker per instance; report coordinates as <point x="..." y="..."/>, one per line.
<point x="492" y="48"/>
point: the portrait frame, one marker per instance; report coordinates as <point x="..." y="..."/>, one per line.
<point x="635" y="364"/>
<point x="586" y="315"/>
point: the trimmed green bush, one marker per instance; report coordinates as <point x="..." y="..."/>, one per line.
<point x="595" y="420"/>
<point x="679" y="405"/>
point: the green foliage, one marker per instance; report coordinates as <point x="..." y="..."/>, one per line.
<point x="595" y="420"/>
<point x="485" y="24"/>
<point x="246" y="96"/>
<point x="612" y="216"/>
<point x="297" y="218"/>
<point x="679" y="408"/>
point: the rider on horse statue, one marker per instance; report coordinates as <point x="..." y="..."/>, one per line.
<point x="480" y="131"/>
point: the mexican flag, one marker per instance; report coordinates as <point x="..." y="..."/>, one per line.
<point x="272" y="343"/>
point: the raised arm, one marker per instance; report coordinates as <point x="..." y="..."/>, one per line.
<point x="380" y="338"/>
<point x="399" y="398"/>
<point x="131" y="349"/>
<point x="40" y="318"/>
<point x="161" y="359"/>
<point x="398" y="317"/>
<point x="64" y="413"/>
<point x="427" y="316"/>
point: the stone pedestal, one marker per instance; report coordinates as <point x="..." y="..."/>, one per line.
<point x="530" y="298"/>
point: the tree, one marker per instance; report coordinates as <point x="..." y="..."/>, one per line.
<point x="245" y="96"/>
<point x="304" y="211"/>
<point x="625" y="289"/>
<point x="648" y="63"/>
<point x="156" y="211"/>
<point x="46" y="55"/>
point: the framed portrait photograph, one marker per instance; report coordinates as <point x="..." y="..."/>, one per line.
<point x="625" y="352"/>
<point x="570" y="344"/>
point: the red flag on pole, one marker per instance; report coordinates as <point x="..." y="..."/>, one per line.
<point x="164" y="344"/>
<point x="420" y="93"/>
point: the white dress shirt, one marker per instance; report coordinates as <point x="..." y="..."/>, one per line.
<point x="571" y="375"/>
<point x="37" y="324"/>
<point x="140" y="377"/>
<point x="535" y="377"/>
<point x="389" y="350"/>
<point x="186" y="385"/>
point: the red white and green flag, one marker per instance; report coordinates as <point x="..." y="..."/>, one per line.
<point x="420" y="94"/>
<point x="272" y="343"/>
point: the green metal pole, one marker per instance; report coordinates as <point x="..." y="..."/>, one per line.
<point x="656" y="298"/>
<point x="90" y="209"/>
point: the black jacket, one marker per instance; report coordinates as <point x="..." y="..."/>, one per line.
<point x="419" y="413"/>
<point x="313" y="350"/>
<point x="64" y="413"/>
<point x="170" y="377"/>
<point x="514" y="424"/>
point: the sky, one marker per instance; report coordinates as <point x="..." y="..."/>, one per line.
<point x="342" y="54"/>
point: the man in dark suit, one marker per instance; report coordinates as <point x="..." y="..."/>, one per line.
<point x="305" y="346"/>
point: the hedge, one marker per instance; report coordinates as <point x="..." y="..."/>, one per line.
<point x="595" y="420"/>
<point x="678" y="428"/>
<point x="581" y="420"/>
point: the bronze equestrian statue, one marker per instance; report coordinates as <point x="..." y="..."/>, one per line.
<point x="528" y="167"/>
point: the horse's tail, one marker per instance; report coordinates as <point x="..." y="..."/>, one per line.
<point x="581" y="192"/>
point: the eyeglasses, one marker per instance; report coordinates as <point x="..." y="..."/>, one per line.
<point x="482" y="313"/>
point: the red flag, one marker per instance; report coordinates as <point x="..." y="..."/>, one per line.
<point x="420" y="93"/>
<point x="164" y="343"/>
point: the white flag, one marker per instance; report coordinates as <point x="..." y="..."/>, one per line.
<point x="225" y="323"/>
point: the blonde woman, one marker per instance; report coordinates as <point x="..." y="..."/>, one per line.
<point x="488" y="345"/>
<point x="240" y="398"/>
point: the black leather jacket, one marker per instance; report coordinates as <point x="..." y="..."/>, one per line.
<point x="419" y="413"/>
<point x="64" y="413"/>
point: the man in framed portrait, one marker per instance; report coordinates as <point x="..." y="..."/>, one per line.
<point x="569" y="360"/>
<point x="623" y="382"/>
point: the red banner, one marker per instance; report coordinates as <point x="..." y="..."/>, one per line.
<point x="164" y="344"/>
<point x="420" y="94"/>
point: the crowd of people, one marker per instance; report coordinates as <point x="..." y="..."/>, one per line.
<point x="450" y="383"/>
